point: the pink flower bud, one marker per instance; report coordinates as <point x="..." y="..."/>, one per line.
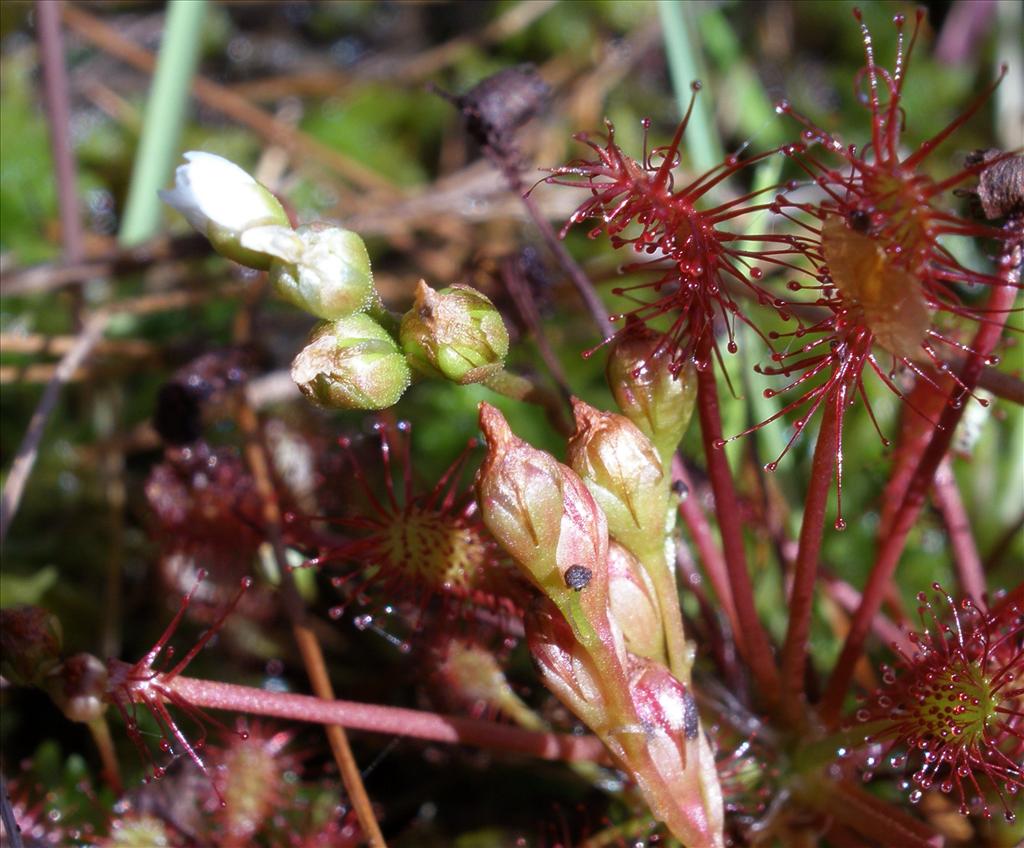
<point x="634" y="604"/>
<point x="689" y="800"/>
<point x="543" y="515"/>
<point x="564" y="666"/>
<point x="623" y="472"/>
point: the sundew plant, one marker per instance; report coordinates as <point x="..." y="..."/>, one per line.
<point x="512" y="424"/>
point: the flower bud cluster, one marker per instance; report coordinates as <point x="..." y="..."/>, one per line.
<point x="604" y="635"/>
<point x="351" y="361"/>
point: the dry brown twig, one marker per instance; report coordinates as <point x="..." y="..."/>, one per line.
<point x="258" y="459"/>
<point x="231" y="104"/>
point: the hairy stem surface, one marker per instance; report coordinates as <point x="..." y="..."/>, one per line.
<point x="398" y="721"/>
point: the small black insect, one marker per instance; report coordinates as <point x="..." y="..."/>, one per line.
<point x="577" y="576"/>
<point x="691" y="718"/>
<point x="859" y="221"/>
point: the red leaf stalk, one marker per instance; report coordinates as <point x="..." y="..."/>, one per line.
<point x="751" y="638"/>
<point x="374" y="718"/>
<point x="805" y="569"/>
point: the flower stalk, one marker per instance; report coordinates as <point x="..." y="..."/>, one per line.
<point x="391" y="721"/>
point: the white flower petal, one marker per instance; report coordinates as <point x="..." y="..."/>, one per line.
<point x="212" y="191"/>
<point x="281" y="242"/>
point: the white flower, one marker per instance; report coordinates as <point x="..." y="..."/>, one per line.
<point x="322" y="269"/>
<point x="222" y="201"/>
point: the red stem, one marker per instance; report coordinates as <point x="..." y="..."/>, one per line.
<point x="396" y="721"/>
<point x="883" y="627"/>
<point x="805" y="569"/>
<point x="985" y="340"/>
<point x="969" y="570"/>
<point x="709" y="555"/>
<point x="751" y="639"/>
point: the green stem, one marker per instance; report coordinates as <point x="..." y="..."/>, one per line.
<point x="165" y="111"/>
<point x="663" y="578"/>
<point x="100" y="731"/>
<point x="814" y="756"/>
<point x="702" y="142"/>
<point x="523" y="389"/>
<point x="390" y="321"/>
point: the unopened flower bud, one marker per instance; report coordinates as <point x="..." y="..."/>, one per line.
<point x="30" y="644"/>
<point x="564" y="666"/>
<point x="455" y="333"/>
<point x="79" y="687"/>
<point x="692" y="806"/>
<point x="473" y="674"/>
<point x="623" y="472"/>
<point x="653" y="395"/>
<point x="542" y="514"/>
<point x="351" y="363"/>
<point x="222" y="201"/>
<point x="634" y="604"/>
<point x="323" y="270"/>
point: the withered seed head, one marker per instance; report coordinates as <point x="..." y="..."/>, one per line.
<point x="496" y="107"/>
<point x="1000" y="185"/>
<point x="501" y="103"/>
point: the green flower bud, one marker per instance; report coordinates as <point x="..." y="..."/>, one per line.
<point x="659" y="401"/>
<point x="455" y="333"/>
<point x="135" y="829"/>
<point x="321" y="269"/>
<point x="351" y="363"/>
<point x="623" y="472"/>
<point x="30" y="644"/>
<point x="222" y="202"/>
<point x="474" y="675"/>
